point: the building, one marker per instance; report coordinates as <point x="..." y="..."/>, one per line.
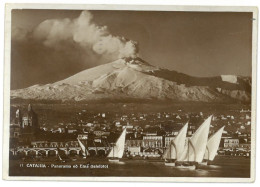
<point x="23" y="127"/>
<point x="168" y="140"/>
<point x="15" y="131"/>
<point x="82" y="136"/>
<point x="134" y="143"/>
<point x="54" y="144"/>
<point x="71" y="131"/>
<point x="152" y="141"/>
<point x="101" y="133"/>
<point x="15" y="125"/>
<point x="134" y="151"/>
<point x="231" y="143"/>
<point x="245" y="147"/>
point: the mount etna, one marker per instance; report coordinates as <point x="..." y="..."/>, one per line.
<point x="135" y="79"/>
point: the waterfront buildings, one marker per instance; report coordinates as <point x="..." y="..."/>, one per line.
<point x="147" y="134"/>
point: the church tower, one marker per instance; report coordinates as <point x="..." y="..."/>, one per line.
<point x="29" y="125"/>
<point x="30" y="119"/>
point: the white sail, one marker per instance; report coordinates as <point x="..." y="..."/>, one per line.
<point x="59" y="157"/>
<point x="166" y="154"/>
<point x="83" y="148"/>
<point x="176" y="147"/>
<point x="118" y="149"/>
<point x="179" y="141"/>
<point x="170" y="152"/>
<point x="195" y="146"/>
<point x="213" y="144"/>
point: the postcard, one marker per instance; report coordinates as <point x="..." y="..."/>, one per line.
<point x="130" y="93"/>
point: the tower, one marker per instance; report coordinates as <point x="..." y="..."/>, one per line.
<point x="29" y="125"/>
<point x="29" y="108"/>
<point x="18" y="118"/>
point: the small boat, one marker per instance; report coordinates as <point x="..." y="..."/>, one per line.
<point x="176" y="147"/>
<point x="59" y="156"/>
<point x="212" y="147"/>
<point x="83" y="149"/>
<point x="117" y="150"/>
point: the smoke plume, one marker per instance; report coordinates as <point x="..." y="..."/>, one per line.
<point x="84" y="32"/>
<point x="58" y="48"/>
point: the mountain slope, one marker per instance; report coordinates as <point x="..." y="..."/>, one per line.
<point x="136" y="79"/>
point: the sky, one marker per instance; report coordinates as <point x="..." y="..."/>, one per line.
<point x="50" y="45"/>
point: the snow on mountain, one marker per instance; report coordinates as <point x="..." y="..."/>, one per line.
<point x="133" y="79"/>
<point x="121" y="67"/>
<point x="229" y="78"/>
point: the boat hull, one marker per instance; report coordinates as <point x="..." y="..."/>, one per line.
<point x="169" y="164"/>
<point x="204" y="163"/>
<point x="113" y="159"/>
<point x="187" y="165"/>
<point x="192" y="167"/>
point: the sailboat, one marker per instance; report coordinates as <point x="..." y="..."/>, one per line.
<point x="176" y="147"/>
<point x="59" y="157"/>
<point x="83" y="148"/>
<point x="117" y="150"/>
<point x="212" y="146"/>
<point x="195" y="147"/>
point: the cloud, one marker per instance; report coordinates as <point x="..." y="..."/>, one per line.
<point x="19" y="34"/>
<point x="85" y="33"/>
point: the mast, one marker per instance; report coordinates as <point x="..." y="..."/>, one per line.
<point x="113" y="150"/>
<point x="207" y="148"/>
<point x="58" y="151"/>
<point x="170" y="150"/>
<point x="166" y="154"/>
<point x="188" y="150"/>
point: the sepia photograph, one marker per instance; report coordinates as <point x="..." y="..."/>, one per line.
<point x="132" y="93"/>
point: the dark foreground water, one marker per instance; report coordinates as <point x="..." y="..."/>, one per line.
<point x="237" y="167"/>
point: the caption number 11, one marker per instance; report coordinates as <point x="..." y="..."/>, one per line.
<point x="21" y="165"/>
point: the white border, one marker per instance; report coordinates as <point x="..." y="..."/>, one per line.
<point x="8" y="9"/>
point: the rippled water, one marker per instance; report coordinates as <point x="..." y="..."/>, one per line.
<point x="221" y="167"/>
